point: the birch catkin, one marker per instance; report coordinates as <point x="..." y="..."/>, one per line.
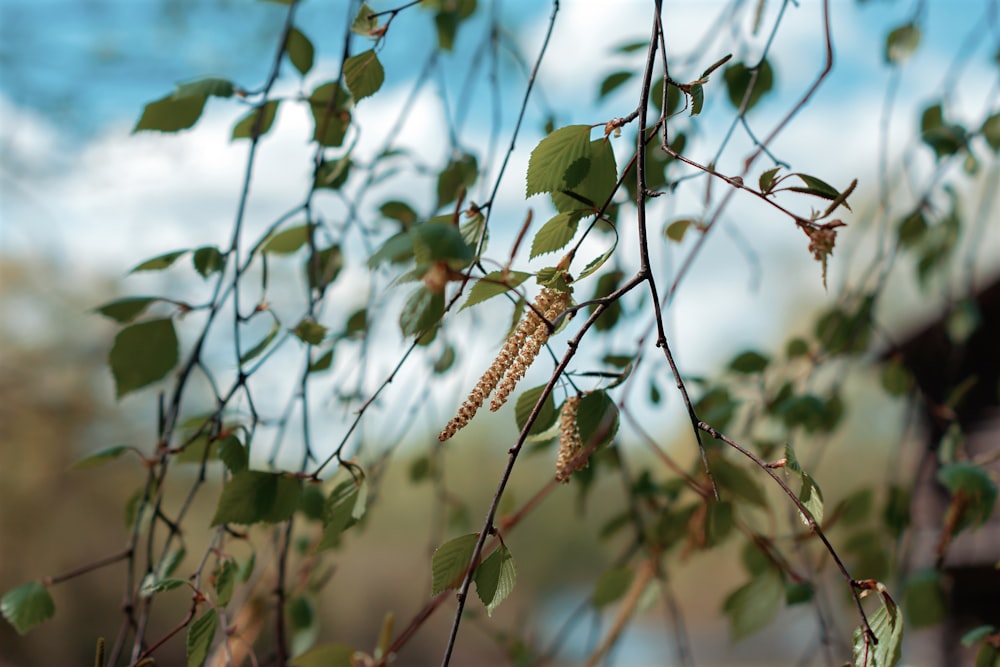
<point x="513" y="360"/>
<point x="570" y="444"/>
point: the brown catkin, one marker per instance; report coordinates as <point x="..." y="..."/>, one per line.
<point x="552" y="304"/>
<point x="511" y="363"/>
<point x="570" y="444"/>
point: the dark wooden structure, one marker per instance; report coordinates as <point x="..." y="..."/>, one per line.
<point x="943" y="363"/>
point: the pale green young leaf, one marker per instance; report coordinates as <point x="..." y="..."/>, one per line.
<point x="323" y="363"/>
<point x="556" y="233"/>
<point x="440" y="242"/>
<point x="233" y="454"/>
<point x="887" y="624"/>
<point x="457" y="176"/>
<point x="495" y="578"/>
<point x="493" y="284"/>
<point x="767" y="180"/>
<point x="323" y="266"/>
<point x="560" y="161"/>
<point x="200" y="635"/>
<point x="594" y="265"/>
<point x="697" y="99"/>
<point x="300" y="50"/>
<point x="142" y="354"/>
<point x="257" y="122"/>
<point x="127" y="309"/>
<point x="363" y="74"/>
<point x="451" y="561"/>
<point x="171" y="114"/>
<point x="27" y="605"/>
<point x="363" y="25"/>
<point x="224" y="580"/>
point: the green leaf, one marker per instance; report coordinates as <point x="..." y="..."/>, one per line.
<point x="991" y="131"/>
<point x="310" y="331"/>
<point x="363" y="74"/>
<point x="450" y="562"/>
<point x="330" y="122"/>
<point x="972" y="489"/>
<point x="209" y="87"/>
<point x="300" y="50"/>
<point x="738" y="78"/>
<point x="323" y="266"/>
<point x="288" y="240"/>
<point x="254" y="496"/>
<point x="127" y="309"/>
<point x="396" y="249"/>
<point x="596" y="186"/>
<point x="224" y="580"/>
<point x="887" y="624"/>
<point x="328" y="655"/>
<point x="976" y="635"/>
<point x="495" y="578"/>
<point x="560" y="161"/>
<point x="718" y="521"/>
<point x="27" y="605"/>
<point x="606" y="285"/>
<point x="233" y="454"/>
<point x="323" y="363"/>
<point x="171" y="114"/>
<point x="458" y="175"/>
<point x="200" y="636"/>
<point x="332" y="174"/>
<point x="339" y="513"/>
<point x="100" y="457"/>
<point x="767" y="180"/>
<point x="260" y="117"/>
<point x="494" y="284"/>
<point x="611" y="586"/>
<point x="593" y="266"/>
<point x="151" y="585"/>
<point x="158" y="263"/>
<point x="912" y="229"/>
<point x="400" y="211"/>
<point x="675" y="230"/>
<point x="256" y="350"/>
<point x="556" y="233"/>
<point x="597" y="419"/>
<point x="737" y="481"/>
<point x="208" y="260"/>
<point x="924" y="599"/>
<point x="142" y="354"/>
<point x="901" y="43"/>
<point x="749" y="362"/>
<point x="697" y="99"/>
<point x="815" y="187"/>
<point x="547" y="415"/>
<point x="896" y="379"/>
<point x="439" y="242"/>
<point x="612" y="82"/>
<point x="363" y="25"/>
<point x="752" y="606"/>
<point x="943" y="138"/>
<point x="422" y="310"/>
